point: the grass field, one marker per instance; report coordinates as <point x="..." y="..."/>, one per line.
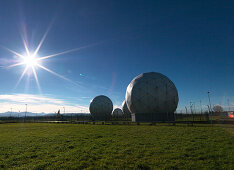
<point x="52" y="146"/>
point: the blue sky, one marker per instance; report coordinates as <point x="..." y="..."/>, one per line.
<point x="189" y="41"/>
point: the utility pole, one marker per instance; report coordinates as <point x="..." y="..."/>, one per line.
<point x="64" y="110"/>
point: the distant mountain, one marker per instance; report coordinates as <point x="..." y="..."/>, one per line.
<point x="29" y="114"/>
<point x="20" y="114"/>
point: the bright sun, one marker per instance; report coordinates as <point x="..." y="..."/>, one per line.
<point x="30" y="61"/>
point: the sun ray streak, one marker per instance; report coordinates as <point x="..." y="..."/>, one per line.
<point x="65" y="52"/>
<point x="22" y="75"/>
<point x="14" y="52"/>
<point x="17" y="64"/>
<point x="36" y="78"/>
<point x="25" y="45"/>
<point x="30" y="60"/>
<point x="56" y="74"/>
<point x="42" y="40"/>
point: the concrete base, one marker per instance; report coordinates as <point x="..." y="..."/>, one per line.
<point x="153" y="117"/>
<point x="101" y="118"/>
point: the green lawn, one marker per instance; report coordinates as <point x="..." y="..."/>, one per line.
<point x="52" y="146"/>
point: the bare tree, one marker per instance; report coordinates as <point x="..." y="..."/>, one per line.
<point x="218" y="108"/>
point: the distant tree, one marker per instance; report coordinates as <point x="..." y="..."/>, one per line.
<point x="218" y="108"/>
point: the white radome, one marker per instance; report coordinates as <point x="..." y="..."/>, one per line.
<point x="101" y="107"/>
<point x="117" y="112"/>
<point x="151" y="93"/>
<point x="125" y="109"/>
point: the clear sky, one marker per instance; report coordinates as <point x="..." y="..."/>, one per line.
<point x="191" y="42"/>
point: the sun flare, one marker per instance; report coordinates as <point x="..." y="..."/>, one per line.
<point x="30" y="61"/>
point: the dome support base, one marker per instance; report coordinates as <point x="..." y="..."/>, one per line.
<point x="153" y="117"/>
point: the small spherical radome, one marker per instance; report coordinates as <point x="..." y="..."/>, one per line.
<point x="125" y="109"/>
<point x="117" y="112"/>
<point x="151" y="93"/>
<point x="101" y="106"/>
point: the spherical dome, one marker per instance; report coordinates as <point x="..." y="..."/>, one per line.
<point x="117" y="112"/>
<point x="151" y="93"/>
<point x="125" y="109"/>
<point x="101" y="107"/>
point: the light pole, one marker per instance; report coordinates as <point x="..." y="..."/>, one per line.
<point x="186" y="110"/>
<point x="209" y="100"/>
<point x="201" y="110"/>
<point x="194" y="107"/>
<point x="191" y="107"/>
<point x="25" y="112"/>
<point x="208" y="93"/>
<point x="228" y="105"/>
<point x="64" y="110"/>
<point x="201" y="106"/>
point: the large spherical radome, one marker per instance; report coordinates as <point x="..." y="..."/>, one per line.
<point x="101" y="107"/>
<point x="151" y="93"/>
<point x="125" y="109"/>
<point x="117" y="112"/>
